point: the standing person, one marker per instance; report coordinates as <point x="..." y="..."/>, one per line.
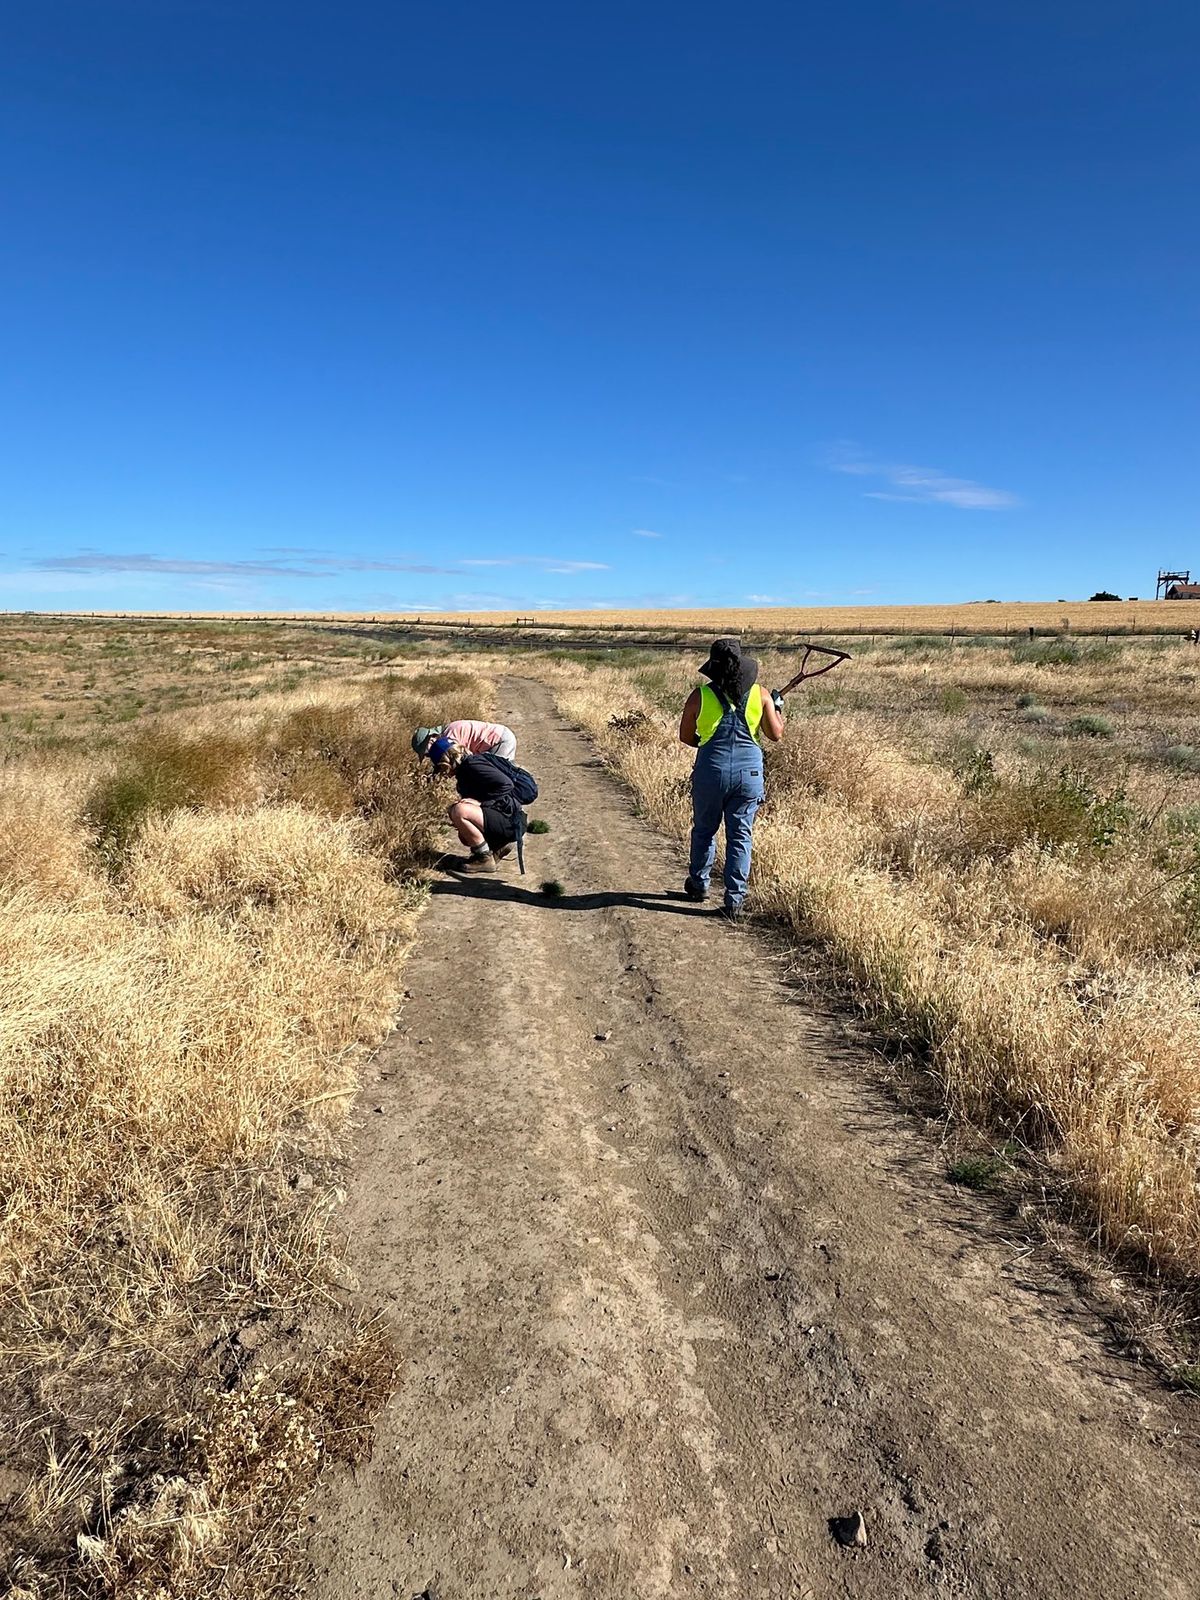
<point x="476" y="738"/>
<point x="723" y="721"/>
<point x="487" y="815"/>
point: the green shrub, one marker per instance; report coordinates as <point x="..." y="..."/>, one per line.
<point x="655" y="683"/>
<point x="1183" y="756"/>
<point x="952" y="699"/>
<point x="823" y="700"/>
<point x="1052" y="809"/>
<point x="1062" y="652"/>
<point x="1046" y="652"/>
<point x="1025" y="700"/>
<point x="1034" y="713"/>
<point x="915" y="642"/>
<point x="1183" y="823"/>
<point x="976" y="770"/>
<point x="618" y="656"/>
<point x="161" y="772"/>
<point x="977" y="1172"/>
<point x="1090" y="726"/>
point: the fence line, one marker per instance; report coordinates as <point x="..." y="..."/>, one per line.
<point x="605" y="635"/>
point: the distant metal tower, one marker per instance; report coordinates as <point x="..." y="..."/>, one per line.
<point x="1166" y="579"/>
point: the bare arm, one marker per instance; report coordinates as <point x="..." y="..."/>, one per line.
<point x="772" y="720"/>
<point x="687" y="722"/>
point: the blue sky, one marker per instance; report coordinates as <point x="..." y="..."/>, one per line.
<point x="387" y="306"/>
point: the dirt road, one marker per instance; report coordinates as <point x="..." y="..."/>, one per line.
<point x="673" y="1285"/>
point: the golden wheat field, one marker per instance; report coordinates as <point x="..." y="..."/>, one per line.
<point x="205" y="909"/>
<point x="1074" y="616"/>
<point x="1005" y="617"/>
<point x="999" y="849"/>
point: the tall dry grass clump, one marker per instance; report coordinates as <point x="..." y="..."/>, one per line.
<point x="200" y="935"/>
<point x="1027" y="921"/>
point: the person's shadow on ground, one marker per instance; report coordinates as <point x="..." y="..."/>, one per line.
<point x="493" y="889"/>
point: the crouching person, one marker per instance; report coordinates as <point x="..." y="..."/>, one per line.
<point x="487" y="815"/>
<point x="476" y="738"/>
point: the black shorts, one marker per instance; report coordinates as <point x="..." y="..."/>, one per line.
<point x="499" y="828"/>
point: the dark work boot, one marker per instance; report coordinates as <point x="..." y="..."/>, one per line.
<point x="476" y="864"/>
<point x="695" y="890"/>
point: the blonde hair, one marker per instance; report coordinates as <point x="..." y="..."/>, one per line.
<point x="453" y="756"/>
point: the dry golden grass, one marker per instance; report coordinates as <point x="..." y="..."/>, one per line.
<point x="1016" y="901"/>
<point x="201" y="934"/>
<point x="1071" y="616"/>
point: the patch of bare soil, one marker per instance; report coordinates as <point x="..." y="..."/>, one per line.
<point x="683" y="1304"/>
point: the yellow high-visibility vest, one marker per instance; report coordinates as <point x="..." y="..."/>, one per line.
<point x="711" y="712"/>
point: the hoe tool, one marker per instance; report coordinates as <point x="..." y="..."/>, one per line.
<point x="810" y="650"/>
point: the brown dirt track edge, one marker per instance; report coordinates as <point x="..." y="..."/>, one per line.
<point x="673" y="1284"/>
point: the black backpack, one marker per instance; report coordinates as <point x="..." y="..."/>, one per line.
<point x="524" y="783"/>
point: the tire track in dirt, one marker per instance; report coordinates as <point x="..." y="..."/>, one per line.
<point x="668" y="1301"/>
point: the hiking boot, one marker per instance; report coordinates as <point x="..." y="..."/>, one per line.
<point x="504" y="852"/>
<point x="733" y="914"/>
<point x="474" y="865"/>
<point x="695" y="890"/>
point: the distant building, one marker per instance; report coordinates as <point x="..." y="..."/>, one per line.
<point x="1175" y="584"/>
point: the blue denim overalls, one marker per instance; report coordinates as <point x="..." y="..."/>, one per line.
<point x="727" y="785"/>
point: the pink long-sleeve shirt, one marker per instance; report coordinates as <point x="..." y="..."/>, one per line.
<point x="483" y="738"/>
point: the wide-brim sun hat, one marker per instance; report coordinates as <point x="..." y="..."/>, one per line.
<point x="725" y="650"/>
<point x="422" y="739"/>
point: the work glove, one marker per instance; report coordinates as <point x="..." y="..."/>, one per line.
<point x="777" y="701"/>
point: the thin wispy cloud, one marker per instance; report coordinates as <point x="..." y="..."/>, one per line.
<point x="99" y="561"/>
<point x="484" y="600"/>
<point x="302" y="565"/>
<point x="622" y="602"/>
<point x="29" y="581"/>
<point x="917" y="485"/>
<point x="370" y="564"/>
<point x="541" y="563"/>
<point x="646" y="533"/>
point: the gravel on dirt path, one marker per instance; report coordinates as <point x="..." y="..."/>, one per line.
<point x="675" y="1286"/>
